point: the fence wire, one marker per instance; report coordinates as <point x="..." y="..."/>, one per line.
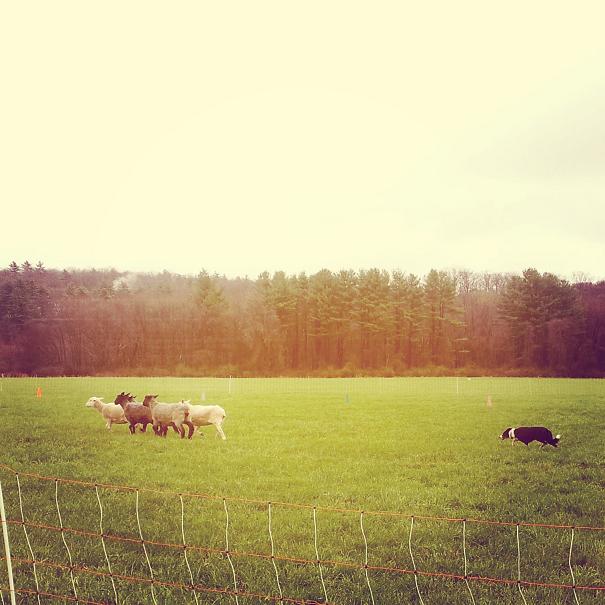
<point x="190" y="582"/>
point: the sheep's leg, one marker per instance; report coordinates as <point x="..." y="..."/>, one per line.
<point x="131" y="428"/>
<point x="219" y="430"/>
<point x="191" y="428"/>
<point x="108" y="425"/>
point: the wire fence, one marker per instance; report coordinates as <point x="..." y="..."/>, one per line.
<point x="206" y="388"/>
<point x="137" y="556"/>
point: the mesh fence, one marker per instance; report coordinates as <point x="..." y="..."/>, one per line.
<point x="104" y="543"/>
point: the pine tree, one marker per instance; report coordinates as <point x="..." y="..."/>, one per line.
<point x="408" y="313"/>
<point x="528" y="304"/>
<point x="439" y="292"/>
<point x="211" y="305"/>
<point x="373" y="316"/>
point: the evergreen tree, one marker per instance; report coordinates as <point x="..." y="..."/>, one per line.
<point x="321" y="288"/>
<point x="345" y="294"/>
<point x="528" y="304"/>
<point x="407" y="308"/>
<point x="211" y="305"/>
<point x="374" y="317"/>
<point x="439" y="293"/>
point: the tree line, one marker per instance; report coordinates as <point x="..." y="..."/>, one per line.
<point x="345" y="323"/>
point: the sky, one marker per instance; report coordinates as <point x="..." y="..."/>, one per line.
<point x="253" y="136"/>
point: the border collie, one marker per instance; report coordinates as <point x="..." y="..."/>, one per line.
<point x="527" y="434"/>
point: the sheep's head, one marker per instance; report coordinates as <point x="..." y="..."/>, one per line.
<point x="149" y="399"/>
<point x="121" y="399"/>
<point x="93" y="401"/>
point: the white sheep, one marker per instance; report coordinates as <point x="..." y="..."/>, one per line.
<point x="205" y="415"/>
<point x="169" y="414"/>
<point x="112" y="413"/>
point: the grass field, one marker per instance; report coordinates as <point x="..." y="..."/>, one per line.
<point x="424" y="447"/>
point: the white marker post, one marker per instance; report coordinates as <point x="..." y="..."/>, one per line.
<point x="7" y="550"/>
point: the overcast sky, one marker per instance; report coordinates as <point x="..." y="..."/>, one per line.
<point x="242" y="137"/>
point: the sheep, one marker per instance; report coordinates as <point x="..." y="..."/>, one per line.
<point x="112" y="413"/>
<point x="135" y="412"/>
<point x="169" y="414"/>
<point x="205" y="415"/>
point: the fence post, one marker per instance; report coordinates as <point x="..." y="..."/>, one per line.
<point x="9" y="567"/>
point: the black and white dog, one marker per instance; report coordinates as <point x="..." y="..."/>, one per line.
<point x="527" y="434"/>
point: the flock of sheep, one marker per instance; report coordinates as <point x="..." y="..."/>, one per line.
<point x="125" y="410"/>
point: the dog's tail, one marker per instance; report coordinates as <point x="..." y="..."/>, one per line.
<point x="556" y="440"/>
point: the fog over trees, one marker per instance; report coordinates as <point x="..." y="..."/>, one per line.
<point x="345" y="323"/>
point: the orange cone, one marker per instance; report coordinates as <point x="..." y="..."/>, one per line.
<point x="39" y="393"/>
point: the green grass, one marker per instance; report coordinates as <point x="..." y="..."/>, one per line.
<point x="414" y="446"/>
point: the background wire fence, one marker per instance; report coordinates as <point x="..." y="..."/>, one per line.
<point x="461" y="386"/>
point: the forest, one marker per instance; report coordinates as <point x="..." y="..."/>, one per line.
<point x="346" y="323"/>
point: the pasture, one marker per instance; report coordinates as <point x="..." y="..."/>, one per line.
<point x="426" y="447"/>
